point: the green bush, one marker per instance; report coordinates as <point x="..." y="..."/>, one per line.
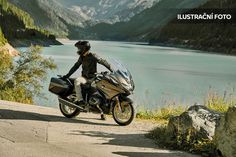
<point x="20" y="80"/>
<point x="2" y="38"/>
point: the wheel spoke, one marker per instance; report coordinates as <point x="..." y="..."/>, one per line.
<point x="123" y="115"/>
<point x="67" y="109"/>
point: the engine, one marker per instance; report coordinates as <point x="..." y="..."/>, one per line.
<point x="95" y="100"/>
<point x="72" y="98"/>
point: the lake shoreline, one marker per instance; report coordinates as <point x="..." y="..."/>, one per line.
<point x="41" y="42"/>
<point x="207" y="50"/>
<point x="202" y="49"/>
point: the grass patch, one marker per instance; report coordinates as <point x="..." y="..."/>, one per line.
<point x="161" y="115"/>
<point x="213" y="100"/>
<point x="188" y="142"/>
<point x="220" y="103"/>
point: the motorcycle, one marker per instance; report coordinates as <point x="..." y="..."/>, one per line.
<point x="107" y="93"/>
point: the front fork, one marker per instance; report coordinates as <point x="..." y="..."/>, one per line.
<point x="119" y="104"/>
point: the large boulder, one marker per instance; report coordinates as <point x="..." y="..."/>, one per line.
<point x="226" y="134"/>
<point x="198" y="121"/>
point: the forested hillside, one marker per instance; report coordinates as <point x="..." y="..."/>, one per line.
<point x="2" y="38"/>
<point x="141" y="26"/>
<point x="51" y="15"/>
<point x="157" y="25"/>
<point x="218" y="37"/>
<point x="18" y="25"/>
<point x="70" y="17"/>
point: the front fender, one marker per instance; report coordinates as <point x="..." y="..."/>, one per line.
<point x="127" y="99"/>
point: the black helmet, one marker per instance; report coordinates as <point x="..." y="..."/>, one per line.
<point x="83" y="47"/>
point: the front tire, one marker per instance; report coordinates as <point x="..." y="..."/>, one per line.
<point x="124" y="117"/>
<point x="69" y="112"/>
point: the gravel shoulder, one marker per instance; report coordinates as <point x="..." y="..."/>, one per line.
<point x="34" y="131"/>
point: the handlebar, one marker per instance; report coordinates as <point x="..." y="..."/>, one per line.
<point x="102" y="73"/>
<point x="60" y="76"/>
<point x="105" y="73"/>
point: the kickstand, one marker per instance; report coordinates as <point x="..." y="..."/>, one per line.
<point x="103" y="117"/>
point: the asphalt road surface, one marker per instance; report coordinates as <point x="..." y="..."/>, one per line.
<point x="33" y="131"/>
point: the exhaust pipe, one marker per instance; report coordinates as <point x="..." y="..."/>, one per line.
<point x="70" y="104"/>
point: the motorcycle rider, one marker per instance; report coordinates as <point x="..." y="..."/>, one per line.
<point x="89" y="62"/>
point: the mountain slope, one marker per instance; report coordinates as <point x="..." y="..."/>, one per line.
<point x="18" y="25"/>
<point x="109" y="11"/>
<point x="63" y="17"/>
<point x="50" y="15"/>
<point x="142" y="25"/>
<point x="205" y="36"/>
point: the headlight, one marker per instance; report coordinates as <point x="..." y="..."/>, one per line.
<point x="114" y="80"/>
<point x="127" y="86"/>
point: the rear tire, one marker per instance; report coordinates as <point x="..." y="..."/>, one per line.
<point x="74" y="111"/>
<point x="127" y="106"/>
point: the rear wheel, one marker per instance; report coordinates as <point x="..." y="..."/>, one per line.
<point x="69" y="112"/>
<point x="125" y="115"/>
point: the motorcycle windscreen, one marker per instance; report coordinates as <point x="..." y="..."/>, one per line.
<point x="58" y="86"/>
<point x="122" y="74"/>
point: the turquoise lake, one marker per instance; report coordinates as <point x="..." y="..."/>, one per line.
<point x="162" y="75"/>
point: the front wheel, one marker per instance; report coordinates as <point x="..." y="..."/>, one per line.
<point x="69" y="112"/>
<point x="124" y="115"/>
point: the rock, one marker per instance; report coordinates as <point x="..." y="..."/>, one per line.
<point x="9" y="49"/>
<point x="226" y="134"/>
<point x="198" y="122"/>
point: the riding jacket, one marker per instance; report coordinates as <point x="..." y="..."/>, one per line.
<point x="89" y="65"/>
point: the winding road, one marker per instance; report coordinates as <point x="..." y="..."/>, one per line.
<point x="34" y="131"/>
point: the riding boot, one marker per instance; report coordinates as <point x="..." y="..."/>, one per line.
<point x="103" y="117"/>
